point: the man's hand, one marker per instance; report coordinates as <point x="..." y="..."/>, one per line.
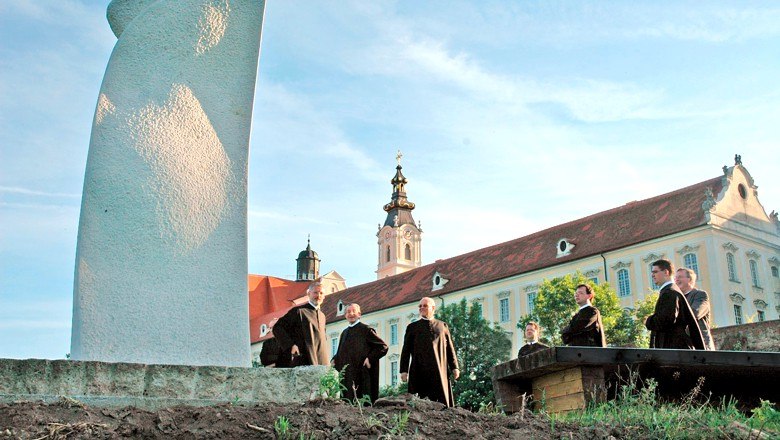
<point x="455" y="374"/>
<point x="366" y="363"/>
<point x="404" y="377"/>
<point x="294" y="351"/>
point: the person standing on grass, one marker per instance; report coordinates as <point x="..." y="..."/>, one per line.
<point x="672" y="324"/>
<point x="585" y="328"/>
<point x="428" y="344"/>
<point x="359" y="350"/>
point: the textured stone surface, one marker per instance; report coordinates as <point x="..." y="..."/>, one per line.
<point x="758" y="336"/>
<point x="154" y="386"/>
<point x="161" y="259"/>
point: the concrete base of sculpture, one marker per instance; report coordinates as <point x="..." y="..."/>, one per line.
<point x="154" y="386"/>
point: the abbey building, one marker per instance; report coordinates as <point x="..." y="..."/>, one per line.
<point x="716" y="227"/>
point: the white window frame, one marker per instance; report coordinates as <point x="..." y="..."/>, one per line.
<point x="731" y="264"/>
<point x="394" y="333"/>
<point x="624" y="283"/>
<point x="693" y="264"/>
<point x="738" y="319"/>
<point x="503" y="309"/>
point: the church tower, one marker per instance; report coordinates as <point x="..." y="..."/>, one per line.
<point x="399" y="238"/>
<point x="308" y="264"/>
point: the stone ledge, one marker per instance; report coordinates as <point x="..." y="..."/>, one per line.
<point x="154" y="386"/>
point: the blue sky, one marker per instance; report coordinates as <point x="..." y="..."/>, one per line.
<point x="512" y="117"/>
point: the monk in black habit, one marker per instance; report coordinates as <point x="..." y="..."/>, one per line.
<point x="673" y="324"/>
<point x="301" y="332"/>
<point x="532" y="344"/>
<point x="429" y="345"/>
<point x="585" y="327"/>
<point x="359" y="351"/>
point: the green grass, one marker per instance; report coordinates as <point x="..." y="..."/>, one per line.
<point x="638" y="408"/>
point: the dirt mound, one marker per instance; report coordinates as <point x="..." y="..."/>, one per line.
<point x="400" y="417"/>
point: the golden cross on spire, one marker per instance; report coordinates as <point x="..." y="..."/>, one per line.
<point x="398" y="157"/>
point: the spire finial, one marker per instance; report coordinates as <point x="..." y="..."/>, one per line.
<point x="398" y="157"/>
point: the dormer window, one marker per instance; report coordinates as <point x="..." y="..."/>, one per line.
<point x="564" y="247"/>
<point x="340" y="308"/>
<point x="263" y="329"/>
<point x="438" y="281"/>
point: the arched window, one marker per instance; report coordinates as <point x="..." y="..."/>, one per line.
<point x="754" y="273"/>
<point x="408" y="252"/>
<point x="732" y="266"/>
<point x="691" y="262"/>
<point x="387" y="254"/>
<point x="624" y="282"/>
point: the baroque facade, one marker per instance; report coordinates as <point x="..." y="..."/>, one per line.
<point x="717" y="227"/>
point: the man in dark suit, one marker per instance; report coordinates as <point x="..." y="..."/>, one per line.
<point x="673" y="324"/>
<point x="699" y="301"/>
<point x="360" y="349"/>
<point x="429" y="345"/>
<point x="301" y="331"/>
<point x="532" y="344"/>
<point x="585" y="328"/>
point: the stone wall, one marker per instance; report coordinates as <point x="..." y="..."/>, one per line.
<point x="757" y="336"/>
<point x="154" y="386"/>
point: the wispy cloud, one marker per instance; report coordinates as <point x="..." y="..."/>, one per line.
<point x="30" y="192"/>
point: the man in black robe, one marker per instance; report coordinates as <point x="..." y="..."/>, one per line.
<point x="673" y="324"/>
<point x="429" y="345"/>
<point x="301" y="332"/>
<point x="271" y="354"/>
<point x="585" y="328"/>
<point x="699" y="300"/>
<point x="532" y="344"/>
<point x="360" y="349"/>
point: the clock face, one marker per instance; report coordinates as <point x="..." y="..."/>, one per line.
<point x="387" y="235"/>
<point x="407" y="233"/>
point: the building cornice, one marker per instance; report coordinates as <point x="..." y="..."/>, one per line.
<point x="737" y="298"/>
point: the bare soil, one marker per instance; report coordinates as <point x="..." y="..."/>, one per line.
<point x="397" y="417"/>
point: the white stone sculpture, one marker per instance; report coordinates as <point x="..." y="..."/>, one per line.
<point x="161" y="260"/>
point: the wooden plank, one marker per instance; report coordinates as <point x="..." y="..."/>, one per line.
<point x="567" y="375"/>
<point x="565" y="403"/>
<point x="560" y="389"/>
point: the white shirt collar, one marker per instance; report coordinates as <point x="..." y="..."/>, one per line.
<point x="665" y="284"/>
<point x="356" y="323"/>
<point x="587" y="304"/>
<point x="316" y="307"/>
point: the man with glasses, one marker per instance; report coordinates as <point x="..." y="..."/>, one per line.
<point x="699" y="300"/>
<point x="429" y="345"/>
<point x="673" y="324"/>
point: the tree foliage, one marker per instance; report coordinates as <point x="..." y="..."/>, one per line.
<point x="479" y="346"/>
<point x="629" y="331"/>
<point x="555" y="305"/>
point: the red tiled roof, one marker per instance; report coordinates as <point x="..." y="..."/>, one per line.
<point x="626" y="225"/>
<point x="269" y="299"/>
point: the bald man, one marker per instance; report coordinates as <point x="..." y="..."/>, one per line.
<point x="428" y="344"/>
<point x="360" y="349"/>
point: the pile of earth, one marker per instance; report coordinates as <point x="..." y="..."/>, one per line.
<point x="397" y="417"/>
